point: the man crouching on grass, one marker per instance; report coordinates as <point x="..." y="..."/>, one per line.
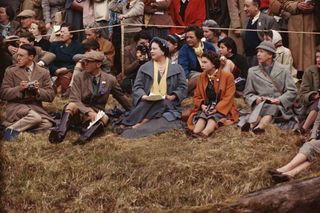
<point x="89" y="94"/>
<point x="24" y="87"/>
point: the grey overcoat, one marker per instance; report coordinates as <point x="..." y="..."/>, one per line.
<point x="258" y="85"/>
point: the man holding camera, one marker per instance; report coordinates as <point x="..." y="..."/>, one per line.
<point x="24" y="87"/>
<point x="135" y="55"/>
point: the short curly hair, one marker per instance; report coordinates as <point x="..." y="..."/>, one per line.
<point x="213" y="57"/>
<point x="41" y="26"/>
<point x="197" y="31"/>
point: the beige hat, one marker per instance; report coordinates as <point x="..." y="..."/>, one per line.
<point x="93" y="56"/>
<point x="27" y="13"/>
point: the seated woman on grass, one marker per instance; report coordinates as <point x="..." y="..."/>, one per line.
<point x="307" y="153"/>
<point x="160" y="86"/>
<point x="213" y="98"/>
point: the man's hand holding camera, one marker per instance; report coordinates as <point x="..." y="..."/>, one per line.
<point x="23" y="85"/>
<point x="32" y="88"/>
<point x="142" y="52"/>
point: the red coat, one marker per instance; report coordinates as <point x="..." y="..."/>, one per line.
<point x="264" y="4"/>
<point x="195" y="14"/>
<point x="225" y="106"/>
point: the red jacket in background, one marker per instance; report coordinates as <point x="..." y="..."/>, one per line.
<point x="195" y="14"/>
<point x="264" y="4"/>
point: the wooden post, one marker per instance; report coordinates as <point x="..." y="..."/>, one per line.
<point x="122" y="48"/>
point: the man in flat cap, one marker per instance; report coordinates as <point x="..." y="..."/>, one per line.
<point x="89" y="94"/>
<point x="270" y="91"/>
<point x="25" y="18"/>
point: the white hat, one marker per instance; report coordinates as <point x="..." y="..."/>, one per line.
<point x="276" y="37"/>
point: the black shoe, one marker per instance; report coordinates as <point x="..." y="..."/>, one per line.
<point x="245" y="127"/>
<point x="58" y="134"/>
<point x="273" y="171"/>
<point x="85" y="137"/>
<point x="258" y="131"/>
<point x="280" y="178"/>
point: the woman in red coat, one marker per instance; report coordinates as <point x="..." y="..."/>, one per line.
<point x="187" y="13"/>
<point x="213" y="98"/>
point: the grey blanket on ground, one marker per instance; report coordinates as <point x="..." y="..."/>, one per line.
<point x="153" y="127"/>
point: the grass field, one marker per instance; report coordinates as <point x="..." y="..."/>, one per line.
<point x="157" y="173"/>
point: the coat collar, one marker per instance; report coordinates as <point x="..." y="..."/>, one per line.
<point x="23" y="75"/>
<point x="276" y="70"/>
<point x="148" y="70"/>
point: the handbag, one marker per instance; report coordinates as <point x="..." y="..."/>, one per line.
<point x="76" y="5"/>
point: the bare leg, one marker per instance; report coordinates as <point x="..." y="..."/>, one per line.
<point x="200" y="125"/>
<point x="310" y="119"/>
<point x="298" y="169"/>
<point x="256" y="123"/>
<point x="295" y="162"/>
<point x="265" y="120"/>
<point x="210" y="127"/>
<point x="142" y="122"/>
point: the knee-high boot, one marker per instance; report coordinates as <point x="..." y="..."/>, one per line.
<point x="58" y="134"/>
<point x="96" y="129"/>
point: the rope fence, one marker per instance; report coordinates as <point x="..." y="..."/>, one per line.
<point x="124" y="25"/>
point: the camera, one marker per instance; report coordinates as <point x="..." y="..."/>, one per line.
<point x="31" y="86"/>
<point x="144" y="49"/>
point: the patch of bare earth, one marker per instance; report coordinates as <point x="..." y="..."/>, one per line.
<point x="156" y="173"/>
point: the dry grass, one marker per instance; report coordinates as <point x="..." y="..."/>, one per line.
<point x="161" y="172"/>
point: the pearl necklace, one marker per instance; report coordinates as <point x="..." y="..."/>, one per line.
<point x="211" y="77"/>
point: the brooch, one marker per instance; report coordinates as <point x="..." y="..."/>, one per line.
<point x="103" y="87"/>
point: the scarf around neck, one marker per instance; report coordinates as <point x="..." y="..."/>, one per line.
<point x="159" y="88"/>
<point x="199" y="51"/>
